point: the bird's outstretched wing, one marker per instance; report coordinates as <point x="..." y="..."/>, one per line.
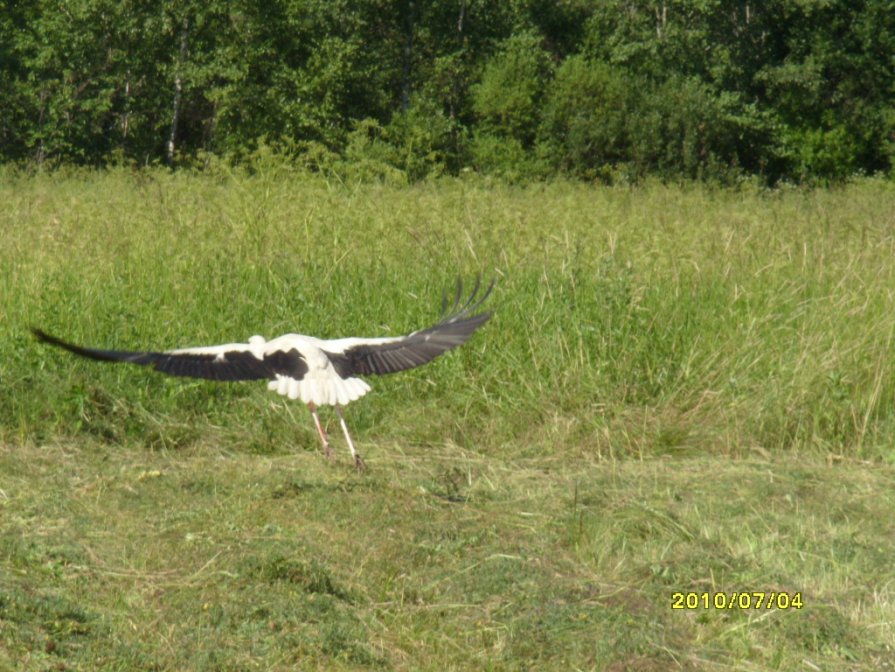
<point x="221" y="362"/>
<point x="365" y="356"/>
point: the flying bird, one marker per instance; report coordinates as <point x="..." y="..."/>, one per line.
<point x="317" y="371"/>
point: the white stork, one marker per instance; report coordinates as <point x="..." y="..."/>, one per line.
<point x="319" y="372"/>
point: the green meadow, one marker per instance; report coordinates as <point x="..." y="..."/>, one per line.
<point x="683" y="389"/>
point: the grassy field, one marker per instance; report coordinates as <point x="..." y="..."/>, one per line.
<point x="682" y="389"/>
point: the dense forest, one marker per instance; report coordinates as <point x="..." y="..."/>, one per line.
<point x="798" y="90"/>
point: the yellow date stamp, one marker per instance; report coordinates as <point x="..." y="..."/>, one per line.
<point x="747" y="599"/>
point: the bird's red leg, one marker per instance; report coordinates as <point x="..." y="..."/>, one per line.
<point x="327" y="449"/>
<point x="358" y="460"/>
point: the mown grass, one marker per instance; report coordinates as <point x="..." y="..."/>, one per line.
<point x="682" y="389"/>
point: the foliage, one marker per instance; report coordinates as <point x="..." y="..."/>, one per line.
<point x="509" y="97"/>
<point x="506" y="158"/>
<point x="781" y="89"/>
<point x="585" y="115"/>
<point x="686" y="128"/>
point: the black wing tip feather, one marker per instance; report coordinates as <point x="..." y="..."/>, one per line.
<point x="234" y="365"/>
<point x="455" y="326"/>
<point x="44" y="337"/>
<point x="475" y="300"/>
<point x="90" y="353"/>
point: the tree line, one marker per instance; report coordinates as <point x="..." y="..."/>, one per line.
<point x="611" y="90"/>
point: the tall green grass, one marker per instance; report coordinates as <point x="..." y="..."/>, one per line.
<point x="628" y="321"/>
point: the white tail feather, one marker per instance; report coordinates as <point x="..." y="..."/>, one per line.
<point x="320" y="392"/>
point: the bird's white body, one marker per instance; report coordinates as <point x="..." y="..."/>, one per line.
<point x="321" y="385"/>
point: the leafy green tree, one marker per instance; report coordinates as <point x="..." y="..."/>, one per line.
<point x="832" y="92"/>
<point x="72" y="61"/>
<point x="784" y="88"/>
<point x="683" y="127"/>
<point x="509" y="97"/>
<point x="298" y="71"/>
<point x="585" y="115"/>
<point x="814" y="81"/>
<point x="15" y="104"/>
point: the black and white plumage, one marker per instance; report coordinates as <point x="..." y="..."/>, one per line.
<point x="319" y="372"/>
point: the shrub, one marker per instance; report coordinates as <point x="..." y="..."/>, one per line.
<point x="583" y="128"/>
<point x="508" y="98"/>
